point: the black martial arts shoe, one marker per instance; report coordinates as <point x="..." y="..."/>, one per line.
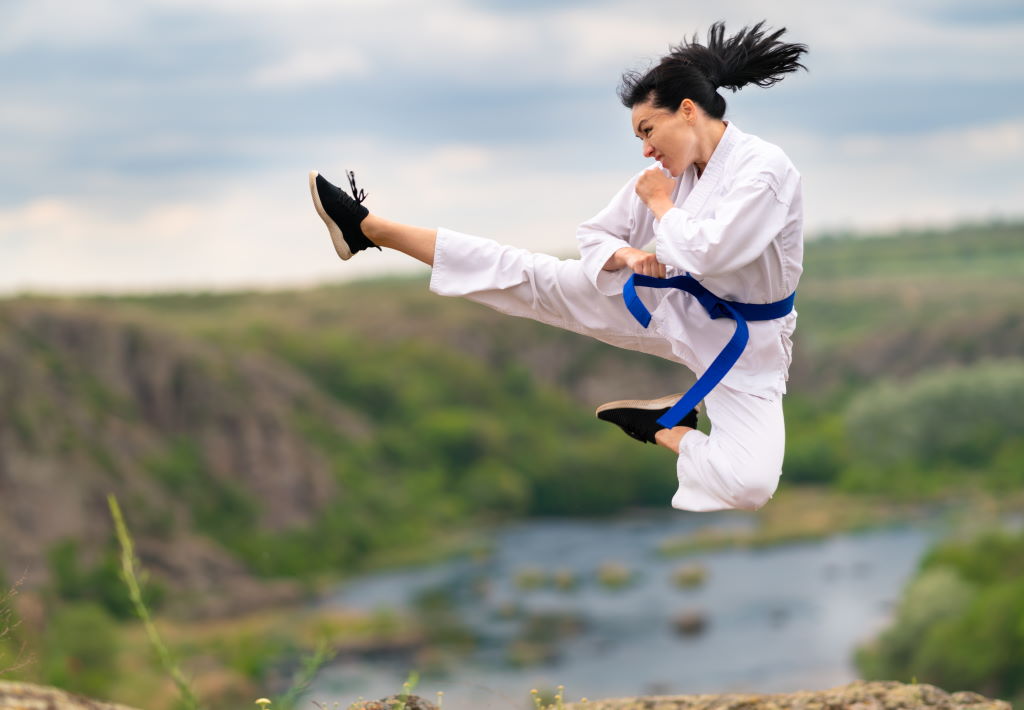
<point x="639" y="417"/>
<point x="342" y="214"/>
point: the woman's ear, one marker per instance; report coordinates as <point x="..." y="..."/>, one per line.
<point x="688" y="109"/>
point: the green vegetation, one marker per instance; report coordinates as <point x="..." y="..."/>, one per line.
<point x="102" y="585"/>
<point x="960" y="624"/>
<point x="940" y="427"/>
<point x="453" y="443"/>
<point x="947" y="429"/>
<point x="908" y="359"/>
<point x="80" y="650"/>
<point x="12" y="644"/>
<point x="221" y="509"/>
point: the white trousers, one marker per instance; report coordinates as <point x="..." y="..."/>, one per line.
<point x="737" y="466"/>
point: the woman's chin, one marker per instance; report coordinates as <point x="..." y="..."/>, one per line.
<point x="671" y="169"/>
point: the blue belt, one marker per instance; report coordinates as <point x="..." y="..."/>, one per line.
<point x="716" y="308"/>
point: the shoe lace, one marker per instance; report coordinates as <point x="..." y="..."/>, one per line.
<point x="358" y="194"/>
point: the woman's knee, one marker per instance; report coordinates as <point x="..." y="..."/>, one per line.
<point x="755" y="487"/>
<point x="748" y="481"/>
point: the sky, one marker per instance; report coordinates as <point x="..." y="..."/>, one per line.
<point x="164" y="144"/>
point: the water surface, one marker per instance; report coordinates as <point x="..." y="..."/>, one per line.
<point x="778" y="619"/>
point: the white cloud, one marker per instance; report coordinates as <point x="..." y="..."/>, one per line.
<point x="58" y="24"/>
<point x="883" y="181"/>
<point x="312" y="66"/>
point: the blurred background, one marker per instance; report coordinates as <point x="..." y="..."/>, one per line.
<point x="316" y="454"/>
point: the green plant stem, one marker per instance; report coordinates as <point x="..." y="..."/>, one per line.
<point x="135" y="592"/>
<point x="310" y="666"/>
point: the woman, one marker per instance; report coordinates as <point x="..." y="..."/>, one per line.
<point x="723" y="207"/>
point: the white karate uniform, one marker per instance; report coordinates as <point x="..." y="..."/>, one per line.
<point x="738" y="229"/>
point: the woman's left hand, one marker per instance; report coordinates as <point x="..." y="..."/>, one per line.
<point x="655" y="188"/>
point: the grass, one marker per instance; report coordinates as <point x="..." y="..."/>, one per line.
<point x="8" y="623"/>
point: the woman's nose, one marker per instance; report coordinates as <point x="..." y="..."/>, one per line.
<point x="648" y="150"/>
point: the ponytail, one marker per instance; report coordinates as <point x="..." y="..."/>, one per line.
<point x="695" y="71"/>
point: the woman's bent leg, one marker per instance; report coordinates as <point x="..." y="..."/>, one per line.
<point x="536" y="286"/>
<point x="739" y="464"/>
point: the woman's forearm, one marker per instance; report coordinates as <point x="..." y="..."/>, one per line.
<point x="617" y="260"/>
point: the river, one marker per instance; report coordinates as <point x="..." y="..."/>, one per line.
<point x="775" y="619"/>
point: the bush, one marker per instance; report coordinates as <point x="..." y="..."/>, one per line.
<point x="952" y="420"/>
<point x="81" y="649"/>
<point x="933" y="597"/>
<point x="815" y="448"/>
<point x="960" y="624"/>
<point x="981" y="649"/>
<point x="102" y="584"/>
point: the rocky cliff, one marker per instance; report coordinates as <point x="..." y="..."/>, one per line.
<point x="92" y="404"/>
<point x="860" y="695"/>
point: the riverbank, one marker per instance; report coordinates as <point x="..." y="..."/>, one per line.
<point x="798" y="514"/>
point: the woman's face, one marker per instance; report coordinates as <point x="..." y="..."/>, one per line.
<point x="668" y="136"/>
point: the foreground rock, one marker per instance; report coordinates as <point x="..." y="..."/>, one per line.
<point x="27" y="696"/>
<point x="859" y="695"/>
<point x="408" y="702"/>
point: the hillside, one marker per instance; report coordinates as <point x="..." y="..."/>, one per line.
<point x="282" y="436"/>
<point x="894" y="306"/>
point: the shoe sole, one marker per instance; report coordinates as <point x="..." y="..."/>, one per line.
<point x="337" y="238"/>
<point x="646" y="404"/>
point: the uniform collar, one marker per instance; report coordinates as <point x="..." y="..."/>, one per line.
<point x="713" y="171"/>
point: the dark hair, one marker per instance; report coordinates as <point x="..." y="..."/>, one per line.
<point x="695" y="71"/>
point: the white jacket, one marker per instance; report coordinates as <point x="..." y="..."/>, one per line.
<point x="738" y="229"/>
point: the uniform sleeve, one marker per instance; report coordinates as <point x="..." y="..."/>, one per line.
<point x="609" y="230"/>
<point x="745" y="222"/>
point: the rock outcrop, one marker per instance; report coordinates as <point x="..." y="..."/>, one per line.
<point x="28" y="696"/>
<point x="859" y="695"/>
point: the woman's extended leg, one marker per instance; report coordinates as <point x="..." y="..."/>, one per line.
<point x="537" y="286"/>
<point x="510" y="280"/>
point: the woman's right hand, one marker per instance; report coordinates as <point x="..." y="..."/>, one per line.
<point x="639" y="261"/>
